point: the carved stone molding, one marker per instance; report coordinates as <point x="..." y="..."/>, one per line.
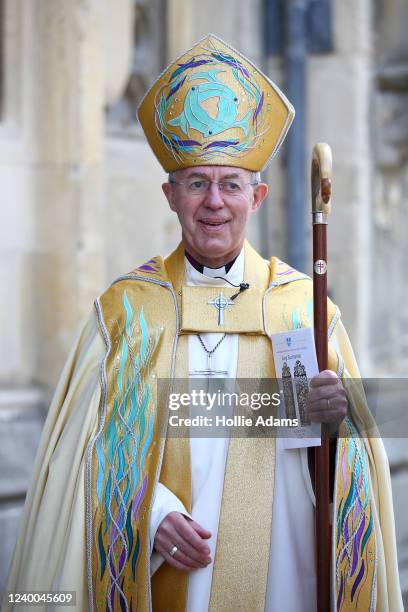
<point x="147" y="61"/>
<point x="117" y="23"/>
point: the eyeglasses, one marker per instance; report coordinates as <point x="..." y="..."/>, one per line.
<point x="200" y="186"/>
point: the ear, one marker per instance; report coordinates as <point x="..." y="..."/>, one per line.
<point x="168" y="192"/>
<point x="260" y="193"/>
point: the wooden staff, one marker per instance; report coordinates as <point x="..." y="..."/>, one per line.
<point x="321" y="206"/>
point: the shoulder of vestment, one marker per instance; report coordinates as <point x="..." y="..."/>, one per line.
<point x="153" y="272"/>
<point x="289" y="298"/>
<point x="145" y="291"/>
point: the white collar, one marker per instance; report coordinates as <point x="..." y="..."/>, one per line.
<point x="235" y="274"/>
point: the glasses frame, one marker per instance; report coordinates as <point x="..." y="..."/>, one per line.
<point x="218" y="183"/>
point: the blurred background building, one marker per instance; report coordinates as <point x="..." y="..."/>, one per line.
<point x="80" y="189"/>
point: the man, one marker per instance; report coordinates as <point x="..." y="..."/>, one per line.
<point x="132" y="519"/>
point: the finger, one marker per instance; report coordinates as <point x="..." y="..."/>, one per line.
<point x="180" y="521"/>
<point x="326" y="392"/>
<point x="328" y="405"/>
<point x="203" y="533"/>
<point x="319" y="413"/>
<point x="164" y="543"/>
<point x="188" y="561"/>
<point x="178" y="530"/>
<point x="318" y="417"/>
<point x="167" y="537"/>
<point x="198" y="555"/>
<point x="327" y="377"/>
<point x="177" y="564"/>
<point x="187" y="530"/>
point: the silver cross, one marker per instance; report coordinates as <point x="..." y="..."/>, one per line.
<point x="209" y="371"/>
<point x="221" y="302"/>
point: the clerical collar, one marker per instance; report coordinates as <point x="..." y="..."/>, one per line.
<point x="210" y="271"/>
<point x="211" y="277"/>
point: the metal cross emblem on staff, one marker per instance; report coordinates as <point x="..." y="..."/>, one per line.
<point x="320" y="266"/>
<point x="221" y="303"/>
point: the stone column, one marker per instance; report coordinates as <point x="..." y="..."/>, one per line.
<point x="52" y="265"/>
<point x="339" y="113"/>
<point x="389" y="315"/>
<point x="389" y="339"/>
<point x="179" y="27"/>
<point x="52" y="262"/>
<point x="64" y="270"/>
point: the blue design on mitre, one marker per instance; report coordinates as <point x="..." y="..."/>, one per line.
<point x="195" y="116"/>
<point x="213" y="106"/>
<point x="237" y="102"/>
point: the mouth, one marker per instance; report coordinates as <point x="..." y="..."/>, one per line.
<point x="213" y="225"/>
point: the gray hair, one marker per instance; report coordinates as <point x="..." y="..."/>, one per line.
<point x="255" y="177"/>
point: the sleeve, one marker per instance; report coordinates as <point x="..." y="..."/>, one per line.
<point x="348" y="371"/>
<point x="50" y="551"/>
<point x="388" y="586"/>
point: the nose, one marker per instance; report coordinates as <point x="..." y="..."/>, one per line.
<point x="213" y="197"/>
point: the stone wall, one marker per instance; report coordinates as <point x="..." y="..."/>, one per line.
<point x="51" y="231"/>
<point x="389" y="343"/>
<point x="389" y="271"/>
<point x="51" y="170"/>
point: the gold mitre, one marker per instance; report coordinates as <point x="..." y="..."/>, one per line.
<point x="212" y="106"/>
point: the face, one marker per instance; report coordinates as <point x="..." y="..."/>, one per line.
<point x="213" y="223"/>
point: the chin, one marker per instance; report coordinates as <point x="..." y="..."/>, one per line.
<point x="214" y="259"/>
<point x="214" y="249"/>
<point x="206" y="248"/>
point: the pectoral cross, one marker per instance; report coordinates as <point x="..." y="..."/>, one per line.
<point x="208" y="372"/>
<point x="221" y="303"/>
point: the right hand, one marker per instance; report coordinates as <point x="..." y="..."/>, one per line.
<point x="181" y="531"/>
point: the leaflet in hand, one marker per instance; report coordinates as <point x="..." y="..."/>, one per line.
<point x="295" y="359"/>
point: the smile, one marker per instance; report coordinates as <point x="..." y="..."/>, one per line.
<point x="213" y="225"/>
<point x="214" y="221"/>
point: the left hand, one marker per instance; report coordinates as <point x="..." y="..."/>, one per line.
<point x="327" y="399"/>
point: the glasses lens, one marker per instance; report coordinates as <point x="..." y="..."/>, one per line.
<point x="198" y="185"/>
<point x="231" y="187"/>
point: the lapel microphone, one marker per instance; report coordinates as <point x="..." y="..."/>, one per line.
<point x="242" y="287"/>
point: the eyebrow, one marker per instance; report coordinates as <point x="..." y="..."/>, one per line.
<point x="203" y="175"/>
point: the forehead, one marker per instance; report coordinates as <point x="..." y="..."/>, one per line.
<point x="214" y="172"/>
